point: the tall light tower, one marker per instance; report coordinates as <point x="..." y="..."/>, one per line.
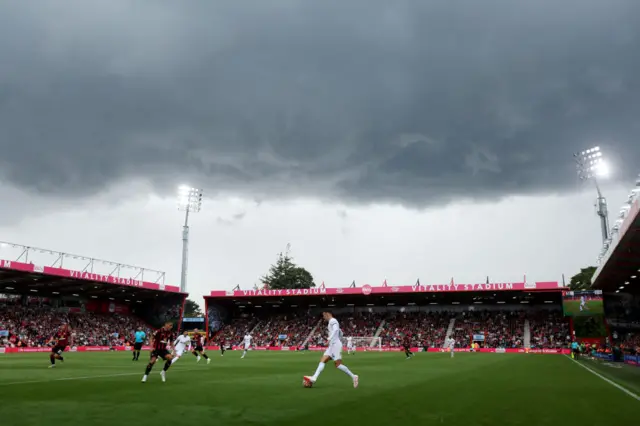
<point x="591" y="166"/>
<point x="189" y="201"/>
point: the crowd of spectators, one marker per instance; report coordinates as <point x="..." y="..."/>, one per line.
<point x="500" y="329"/>
<point x="628" y="341"/>
<point x="36" y="325"/>
<point x="233" y="332"/>
<point x="549" y="330"/>
<point x="424" y="329"/>
<point x="293" y="328"/>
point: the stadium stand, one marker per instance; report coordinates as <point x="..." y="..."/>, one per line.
<point x="549" y="330"/>
<point x="102" y="310"/>
<point x="427" y="329"/>
<point x="34" y="325"/>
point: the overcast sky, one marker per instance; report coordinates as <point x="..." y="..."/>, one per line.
<point x="398" y="139"/>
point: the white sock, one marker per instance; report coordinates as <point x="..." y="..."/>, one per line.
<point x="344" y="368"/>
<point x="174" y="359"/>
<point x="244" y="353"/>
<point x="318" y="371"/>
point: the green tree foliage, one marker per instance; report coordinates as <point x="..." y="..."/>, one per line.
<point x="582" y="280"/>
<point x="285" y="274"/>
<point x="192" y="309"/>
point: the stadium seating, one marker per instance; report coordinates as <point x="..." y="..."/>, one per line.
<point x="296" y="328"/>
<point x="33" y="326"/>
<point x="233" y="332"/>
<point x="549" y="330"/>
<point x="501" y="329"/>
<point x="425" y="329"/>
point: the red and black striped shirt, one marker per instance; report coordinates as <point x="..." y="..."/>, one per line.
<point x="63" y="338"/>
<point x="161" y="339"/>
<point x="197" y="339"/>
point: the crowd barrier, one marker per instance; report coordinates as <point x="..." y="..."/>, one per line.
<point x="287" y="348"/>
<point x="632" y="360"/>
<point x="604" y="357"/>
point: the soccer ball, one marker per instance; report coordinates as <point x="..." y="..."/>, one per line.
<point x="307" y="384"/>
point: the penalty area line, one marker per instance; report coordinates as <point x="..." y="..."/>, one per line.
<point x="611" y="382"/>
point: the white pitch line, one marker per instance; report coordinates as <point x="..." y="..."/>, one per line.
<point x="102" y="376"/>
<point x="611" y="382"/>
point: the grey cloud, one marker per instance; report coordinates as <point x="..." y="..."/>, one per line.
<point x="415" y="102"/>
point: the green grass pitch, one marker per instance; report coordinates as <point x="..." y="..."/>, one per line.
<point x="265" y="388"/>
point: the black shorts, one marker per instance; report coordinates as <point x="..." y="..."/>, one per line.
<point x="57" y="349"/>
<point x="198" y="349"/>
<point x="137" y="346"/>
<point x="159" y="353"/>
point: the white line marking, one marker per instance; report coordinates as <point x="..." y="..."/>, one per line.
<point x="611" y="382"/>
<point x="102" y="376"/>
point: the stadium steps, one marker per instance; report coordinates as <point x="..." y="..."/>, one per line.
<point x="311" y="333"/>
<point x="527" y="334"/>
<point x="377" y="333"/>
<point x="255" y="327"/>
<point x="452" y="325"/>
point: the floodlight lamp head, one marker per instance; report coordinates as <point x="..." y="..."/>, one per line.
<point x="189" y="198"/>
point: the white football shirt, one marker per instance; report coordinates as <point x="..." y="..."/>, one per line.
<point x="247" y="340"/>
<point x="452" y="343"/>
<point x="182" y="341"/>
<point x="334" y="331"/>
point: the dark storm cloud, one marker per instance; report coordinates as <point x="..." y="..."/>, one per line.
<point x="366" y="100"/>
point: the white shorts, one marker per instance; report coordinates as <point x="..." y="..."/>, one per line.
<point x="334" y="351"/>
<point x="350" y="347"/>
<point x="247" y="347"/>
<point x="179" y="351"/>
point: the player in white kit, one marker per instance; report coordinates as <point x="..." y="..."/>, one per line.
<point x="181" y="344"/>
<point x="247" y="344"/>
<point x="451" y="344"/>
<point x="333" y="352"/>
<point x="351" y="349"/>
<point x="583" y="303"/>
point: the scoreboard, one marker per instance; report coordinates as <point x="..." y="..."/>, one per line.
<point x="190" y="324"/>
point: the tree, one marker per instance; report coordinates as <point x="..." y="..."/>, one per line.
<point x="285" y="274"/>
<point x="582" y="280"/>
<point x="192" y="309"/>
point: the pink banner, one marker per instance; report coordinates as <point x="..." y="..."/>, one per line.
<point x="368" y="289"/>
<point x="85" y="276"/>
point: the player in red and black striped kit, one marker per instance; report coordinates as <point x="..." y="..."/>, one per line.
<point x="161" y="339"/>
<point x="198" y="349"/>
<point x="222" y="347"/>
<point x="62" y="340"/>
<point x="406" y="345"/>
